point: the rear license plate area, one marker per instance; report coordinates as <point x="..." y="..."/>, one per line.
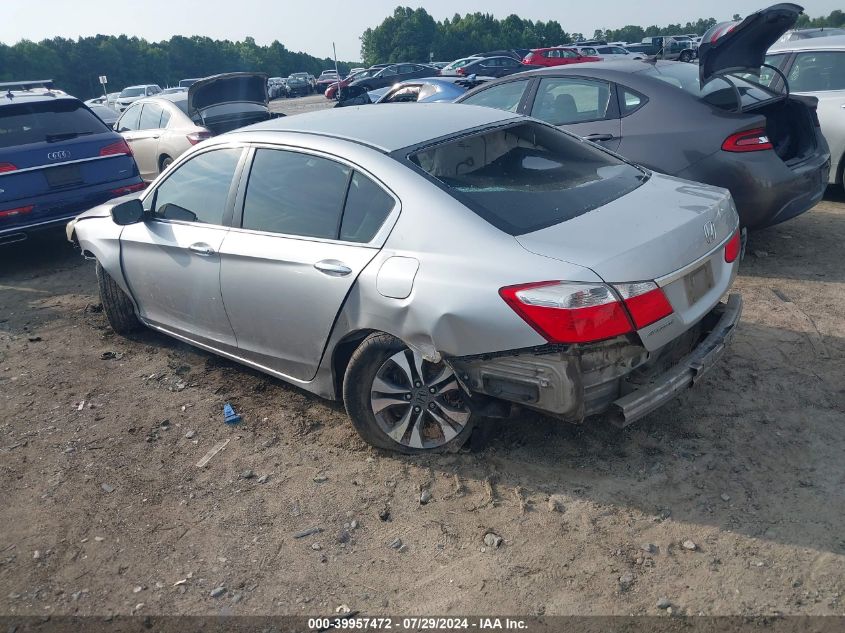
<point x="699" y="282"/>
<point x="63" y="176"/>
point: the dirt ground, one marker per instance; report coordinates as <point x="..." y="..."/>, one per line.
<point x="104" y="511"/>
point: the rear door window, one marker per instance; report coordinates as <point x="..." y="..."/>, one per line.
<point x="506" y="96"/>
<point x="526" y="176"/>
<point x="564" y="100"/>
<point x="50" y="121"/>
<point x="150" y="117"/>
<point x="295" y="194"/>
<point x="816" y="72"/>
<point x="198" y="190"/>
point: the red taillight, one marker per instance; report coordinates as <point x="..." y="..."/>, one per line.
<point x="564" y="312"/>
<point x="567" y="312"/>
<point x="7" y="167"/>
<point x="121" y="147"/>
<point x="196" y="137"/>
<point x="732" y="248"/>
<point x="749" y="141"/>
<point x="8" y="213"/>
<point x="646" y="302"/>
<point x="122" y="191"/>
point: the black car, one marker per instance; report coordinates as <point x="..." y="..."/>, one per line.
<point x="703" y="122"/>
<point x="517" y="53"/>
<point x="389" y="75"/>
<point x="494" y="67"/>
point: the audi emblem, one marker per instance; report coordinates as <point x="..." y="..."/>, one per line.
<point x="61" y="154"/>
<point x="709" y="232"/>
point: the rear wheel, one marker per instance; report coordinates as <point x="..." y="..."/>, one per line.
<point x="399" y="401"/>
<point x="118" y="307"/>
<point x="164" y="163"/>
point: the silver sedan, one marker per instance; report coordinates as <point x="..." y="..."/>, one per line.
<point x="429" y="266"/>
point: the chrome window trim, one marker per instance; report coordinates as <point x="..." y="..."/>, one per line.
<point x="67" y="162"/>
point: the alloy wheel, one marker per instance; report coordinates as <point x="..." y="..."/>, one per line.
<point x="417" y="403"/>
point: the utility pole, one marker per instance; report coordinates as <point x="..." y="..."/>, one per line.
<point x="334" y="50"/>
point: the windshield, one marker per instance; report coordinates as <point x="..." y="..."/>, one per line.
<point x="719" y="91"/>
<point x="49" y="121"/>
<point x="527" y="176"/>
<point x="133" y="92"/>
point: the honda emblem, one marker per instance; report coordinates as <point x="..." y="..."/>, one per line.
<point x="709" y="232"/>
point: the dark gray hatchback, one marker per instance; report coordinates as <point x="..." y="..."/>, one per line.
<point x="700" y="122"/>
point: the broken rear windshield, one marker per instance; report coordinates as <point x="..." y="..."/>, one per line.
<point x="526" y="177"/>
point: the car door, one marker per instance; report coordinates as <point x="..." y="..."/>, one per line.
<point x="171" y="262"/>
<point x="144" y="140"/>
<point x="308" y="227"/>
<point x="586" y="107"/>
<point x="508" y="66"/>
<point x="418" y="71"/>
<point x="386" y="77"/>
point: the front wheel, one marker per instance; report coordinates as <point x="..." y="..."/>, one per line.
<point x="118" y="307"/>
<point x="686" y="56"/>
<point x="399" y="401"/>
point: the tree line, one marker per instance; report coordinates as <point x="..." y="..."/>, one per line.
<point x="75" y="65"/>
<point x="414" y="35"/>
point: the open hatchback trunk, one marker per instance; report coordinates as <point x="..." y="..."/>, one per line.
<point x="222" y="103"/>
<point x="733" y="51"/>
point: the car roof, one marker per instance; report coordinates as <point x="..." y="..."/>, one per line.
<point x="388" y="127"/>
<point x="833" y="42"/>
<point x="33" y="96"/>
<point x="627" y="66"/>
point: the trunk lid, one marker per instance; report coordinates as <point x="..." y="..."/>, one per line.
<point x="740" y="47"/>
<point x="241" y="87"/>
<point x="653" y="231"/>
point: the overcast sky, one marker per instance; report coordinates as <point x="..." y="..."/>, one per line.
<point x="312" y="25"/>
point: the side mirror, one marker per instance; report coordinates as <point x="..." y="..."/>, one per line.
<point x="129" y="212"/>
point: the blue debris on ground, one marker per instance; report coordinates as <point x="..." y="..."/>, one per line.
<point x="230" y="417"/>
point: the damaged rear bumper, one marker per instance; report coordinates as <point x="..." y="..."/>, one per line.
<point x="618" y="377"/>
<point x="686" y="373"/>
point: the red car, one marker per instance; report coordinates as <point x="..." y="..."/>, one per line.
<point x="331" y="91"/>
<point x="557" y="56"/>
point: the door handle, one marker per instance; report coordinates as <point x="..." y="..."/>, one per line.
<point x="599" y="137"/>
<point x="333" y="268"/>
<point x="201" y="249"/>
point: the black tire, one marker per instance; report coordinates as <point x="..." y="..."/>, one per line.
<point x="118" y="307"/>
<point x="686" y="56"/>
<point x="164" y="163"/>
<point x="358" y="381"/>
